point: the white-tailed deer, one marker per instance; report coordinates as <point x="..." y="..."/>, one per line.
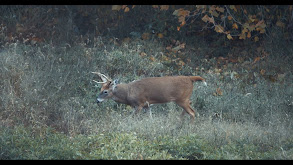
<point x="154" y="90"/>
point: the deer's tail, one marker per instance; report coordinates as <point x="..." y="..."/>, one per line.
<point x="197" y="78"/>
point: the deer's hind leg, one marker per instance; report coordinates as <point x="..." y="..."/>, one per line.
<point x="187" y="109"/>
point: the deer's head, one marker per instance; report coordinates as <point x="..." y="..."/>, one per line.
<point x="107" y="89"/>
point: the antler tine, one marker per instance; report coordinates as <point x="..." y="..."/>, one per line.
<point x="98" y="82"/>
<point x="103" y="77"/>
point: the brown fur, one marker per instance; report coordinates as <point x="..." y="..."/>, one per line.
<point x="154" y="90"/>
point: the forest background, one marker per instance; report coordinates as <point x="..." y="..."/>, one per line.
<point x="47" y="97"/>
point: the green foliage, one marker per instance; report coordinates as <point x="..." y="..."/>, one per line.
<point x="25" y="143"/>
<point x="123" y="146"/>
<point x="71" y="23"/>
<point x="186" y="147"/>
<point x="28" y="143"/>
<point x="235" y="21"/>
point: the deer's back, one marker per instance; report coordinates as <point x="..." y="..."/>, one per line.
<point x="161" y="89"/>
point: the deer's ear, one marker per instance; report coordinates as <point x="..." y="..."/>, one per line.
<point x="114" y="84"/>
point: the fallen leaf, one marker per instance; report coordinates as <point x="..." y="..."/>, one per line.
<point x="116" y="7"/>
<point x="126" y="9"/>
<point x="181" y="12"/>
<point x="152" y="58"/>
<point x="218" y="70"/>
<point x="182" y="46"/>
<point x="175" y="49"/>
<point x="233" y="7"/>
<point x="220" y="9"/>
<point x="164" y="7"/>
<point x="181" y="19"/>
<point x="233" y="60"/>
<point x="169" y="48"/>
<point x="174" y="13"/>
<point x="262" y="71"/>
<point x="280" y="24"/>
<point x="251" y="18"/>
<point x="181" y="63"/>
<point x="259" y="23"/>
<point x="143" y="54"/>
<point x="145" y="36"/>
<point x="235" y="26"/>
<point x="160" y="35"/>
<point x="256" y="39"/>
<point x="218" y="92"/>
<point x="157" y="6"/>
<point x="126" y="40"/>
<point x="256" y="59"/>
<point x="214" y="13"/>
<point x="183" y="23"/>
<point x="242" y="35"/>
<point x="229" y="37"/>
<point x="219" y="28"/>
<point x="244" y="30"/>
<point x="230" y="17"/>
<point x="206" y="18"/>
<point x="248" y="35"/>
<point x="165" y="58"/>
<point x="271" y="78"/>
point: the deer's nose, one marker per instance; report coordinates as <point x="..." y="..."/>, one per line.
<point x="99" y="100"/>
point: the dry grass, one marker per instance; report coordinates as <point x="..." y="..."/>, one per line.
<point x="45" y="86"/>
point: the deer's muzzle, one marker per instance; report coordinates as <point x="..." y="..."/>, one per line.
<point x="99" y="100"/>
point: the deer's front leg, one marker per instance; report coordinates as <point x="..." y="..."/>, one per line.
<point x="137" y="109"/>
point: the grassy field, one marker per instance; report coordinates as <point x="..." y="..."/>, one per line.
<point x="48" y="108"/>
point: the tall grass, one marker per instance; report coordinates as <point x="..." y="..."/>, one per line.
<point x="49" y="87"/>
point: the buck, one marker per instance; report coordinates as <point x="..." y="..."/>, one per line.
<point x="153" y="90"/>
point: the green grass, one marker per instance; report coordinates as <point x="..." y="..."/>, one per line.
<point x="26" y="143"/>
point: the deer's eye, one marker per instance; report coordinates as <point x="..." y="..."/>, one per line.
<point x="105" y="92"/>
